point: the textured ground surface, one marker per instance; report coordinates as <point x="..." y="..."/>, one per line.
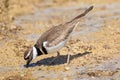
<point x="95" y="45"/>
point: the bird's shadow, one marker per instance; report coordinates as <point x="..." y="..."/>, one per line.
<point x="62" y="59"/>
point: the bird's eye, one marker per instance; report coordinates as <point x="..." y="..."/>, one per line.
<point x="26" y="55"/>
<point x="26" y="58"/>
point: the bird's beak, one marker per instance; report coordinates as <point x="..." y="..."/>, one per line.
<point x="28" y="62"/>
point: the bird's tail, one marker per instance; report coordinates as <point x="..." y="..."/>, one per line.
<point x="81" y="15"/>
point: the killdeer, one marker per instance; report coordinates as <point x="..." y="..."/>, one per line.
<point x="54" y="39"/>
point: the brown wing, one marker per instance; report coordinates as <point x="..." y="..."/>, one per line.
<point x="61" y="32"/>
<point x="55" y="35"/>
<point x="50" y="35"/>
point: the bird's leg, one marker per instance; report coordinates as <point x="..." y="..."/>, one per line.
<point x="58" y="54"/>
<point x="68" y="53"/>
<point x="68" y="47"/>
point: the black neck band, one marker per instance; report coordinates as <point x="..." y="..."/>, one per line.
<point x="44" y="50"/>
<point x="38" y="50"/>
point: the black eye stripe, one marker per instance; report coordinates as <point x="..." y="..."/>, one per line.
<point x="25" y="55"/>
<point x="26" y="58"/>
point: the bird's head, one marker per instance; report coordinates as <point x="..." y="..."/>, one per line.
<point x="29" y="55"/>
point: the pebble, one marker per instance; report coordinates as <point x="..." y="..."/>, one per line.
<point x="2" y="78"/>
<point x="67" y="68"/>
<point x="1" y="38"/>
<point x="65" y="78"/>
<point x="0" y="11"/>
<point x="13" y="27"/>
<point x="22" y="75"/>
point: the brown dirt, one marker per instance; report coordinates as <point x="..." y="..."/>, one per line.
<point x="103" y="45"/>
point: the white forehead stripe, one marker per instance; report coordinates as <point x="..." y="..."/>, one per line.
<point x="28" y="54"/>
<point x="34" y="53"/>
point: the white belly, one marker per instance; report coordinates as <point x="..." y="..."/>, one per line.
<point x="54" y="48"/>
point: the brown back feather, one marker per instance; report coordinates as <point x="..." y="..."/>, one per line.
<point x="58" y="33"/>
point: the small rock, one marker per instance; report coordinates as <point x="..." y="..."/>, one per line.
<point x="67" y="68"/>
<point x="65" y="78"/>
<point x="1" y="37"/>
<point x="0" y="11"/>
<point x="2" y="78"/>
<point x="93" y="77"/>
<point x="3" y="28"/>
<point x="13" y="27"/>
<point x="22" y="75"/>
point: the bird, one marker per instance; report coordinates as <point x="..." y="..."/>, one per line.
<point x="53" y="39"/>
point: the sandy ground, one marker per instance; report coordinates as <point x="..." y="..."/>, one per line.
<point x="95" y="45"/>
